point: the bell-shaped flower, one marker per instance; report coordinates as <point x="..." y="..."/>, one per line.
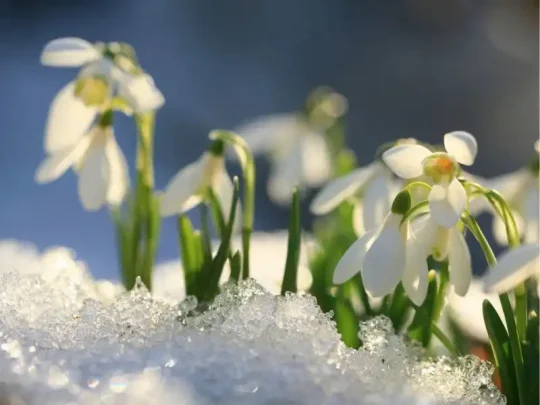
<point x="190" y="186"/>
<point x="431" y="239"/>
<point x="100" y="163"/>
<point x="375" y="186"/>
<point x="448" y="198"/>
<point x="384" y="258"/>
<point x="107" y="71"/>
<point x="298" y="153"/>
<point x="514" y="267"/>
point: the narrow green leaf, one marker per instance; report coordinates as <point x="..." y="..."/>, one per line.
<point x="188" y="248"/>
<point x="530" y="357"/>
<point x="123" y="242"/>
<point x="399" y="307"/>
<point x="420" y="328"/>
<point x="293" y="248"/>
<point x="217" y="212"/>
<point x="347" y="323"/>
<point x="223" y="250"/>
<point x="205" y="234"/>
<point x="236" y="266"/>
<point x="198" y="248"/>
<point x="502" y="352"/>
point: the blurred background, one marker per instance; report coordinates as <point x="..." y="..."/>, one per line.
<point x="409" y="68"/>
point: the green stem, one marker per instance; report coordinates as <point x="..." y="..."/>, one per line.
<point x="445" y="340"/>
<point x="415" y="184"/>
<point x="414" y="210"/>
<point x="515" y="345"/>
<point x="441" y="295"/>
<point x="248" y="169"/>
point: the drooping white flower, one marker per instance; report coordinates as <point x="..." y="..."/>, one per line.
<point x="376" y="186"/>
<point x="448" y="198"/>
<point x="467" y="313"/>
<point x="106" y="72"/>
<point x="384" y="258"/>
<point x="298" y="153"/>
<point x="189" y="187"/>
<point x="101" y="165"/>
<point x="268" y="254"/>
<point x="442" y="243"/>
<point x="513" y="268"/>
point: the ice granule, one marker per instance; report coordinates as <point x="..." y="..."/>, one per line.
<point x="66" y="340"/>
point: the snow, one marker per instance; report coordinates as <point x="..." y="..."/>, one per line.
<point x="68" y="339"/>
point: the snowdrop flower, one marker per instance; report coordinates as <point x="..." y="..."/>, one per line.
<point x="189" y="187"/>
<point x="384" y="259"/>
<point x="448" y="198"/>
<point x="99" y="161"/>
<point x="513" y="268"/>
<point x="467" y="311"/>
<point x="107" y="71"/>
<point x="442" y="243"/>
<point x="268" y="254"/>
<point x="296" y="146"/>
<point x="521" y="191"/>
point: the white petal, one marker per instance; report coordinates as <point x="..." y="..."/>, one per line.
<point x="406" y="160"/>
<point x="286" y="174"/>
<point x="224" y="189"/>
<point x="510" y="185"/>
<point x="338" y="190"/>
<point x="118" y="172"/>
<point x="358" y="219"/>
<point x="384" y="261"/>
<point x="460" y="264"/>
<point x="68" y="120"/>
<point x="94" y="174"/>
<point x="316" y="160"/>
<point x="57" y="164"/>
<point x="181" y="194"/>
<point x="531" y="204"/>
<point x="425" y="231"/>
<point x="68" y="52"/>
<point x="513" y="267"/>
<point x="141" y="93"/>
<point x="499" y="230"/>
<point x="447" y="203"/>
<point x="264" y="134"/>
<point x="351" y="262"/>
<point x="415" y="276"/>
<point x="462" y="146"/>
<point x="377" y="201"/>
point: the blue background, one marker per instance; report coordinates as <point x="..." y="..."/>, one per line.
<point x="410" y="68"/>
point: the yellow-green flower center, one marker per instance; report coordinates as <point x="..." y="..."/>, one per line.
<point x="440" y="167"/>
<point x="92" y="90"/>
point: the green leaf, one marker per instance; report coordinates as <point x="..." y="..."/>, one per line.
<point x="347" y="324"/>
<point x="399" y="307"/>
<point x="217" y="212"/>
<point x="500" y="344"/>
<point x="293" y="249"/>
<point x="189" y="254"/>
<point x="236" y="266"/>
<point x="420" y="328"/>
<point x="123" y="242"/>
<point x="531" y="362"/>
<point x="221" y="256"/>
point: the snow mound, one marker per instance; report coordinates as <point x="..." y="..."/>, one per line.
<point x="67" y="339"/>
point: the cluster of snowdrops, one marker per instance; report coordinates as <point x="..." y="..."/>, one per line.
<point x="389" y="236"/>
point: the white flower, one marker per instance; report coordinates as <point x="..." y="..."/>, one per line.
<point x="448" y="198"/>
<point x="100" y="79"/>
<point x="190" y="185"/>
<point x="513" y="268"/>
<point x="268" y="254"/>
<point x="384" y="258"/>
<point x="297" y="151"/>
<point x="102" y="167"/>
<point x="521" y="192"/>
<point x="467" y="311"/>
<point x="375" y="185"/>
<point x="443" y="244"/>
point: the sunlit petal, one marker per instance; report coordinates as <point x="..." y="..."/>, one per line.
<point x="94" y="175"/>
<point x="224" y="189"/>
<point x="499" y="229"/>
<point x="57" y="164"/>
<point x="118" y="172"/>
<point x="358" y="219"/>
<point x="513" y="267"/>
<point x="384" y="262"/>
<point x="181" y="194"/>
<point x="351" y="262"/>
<point x="377" y="201"/>
<point x="338" y="190"/>
<point x="69" y="119"/>
<point x="447" y="203"/>
<point x="68" y="52"/>
<point x="510" y="185"/>
<point x="316" y="160"/>
<point x="462" y="146"/>
<point x="405" y="160"/>
<point x="286" y="174"/>
<point x="415" y="275"/>
<point x="460" y="264"/>
<point x="141" y="93"/>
